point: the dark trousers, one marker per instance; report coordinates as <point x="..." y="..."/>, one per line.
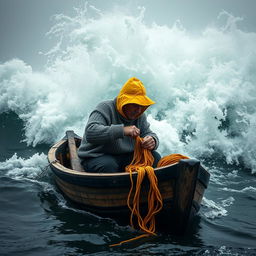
<point x="112" y="163"/>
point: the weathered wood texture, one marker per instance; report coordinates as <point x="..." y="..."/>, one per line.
<point x="199" y="192"/>
<point x="185" y="188"/>
<point x="181" y="185"/>
<point x="74" y="159"/>
<point x="108" y="197"/>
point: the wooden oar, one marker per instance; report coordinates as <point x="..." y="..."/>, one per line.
<point x="74" y="159"/>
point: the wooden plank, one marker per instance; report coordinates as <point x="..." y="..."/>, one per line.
<point x="106" y="197"/>
<point x="74" y="159"/>
<point x="199" y="192"/>
<point x="184" y="193"/>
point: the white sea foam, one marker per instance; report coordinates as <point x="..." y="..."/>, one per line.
<point x="243" y="190"/>
<point x="215" y="209"/>
<point x="227" y="202"/>
<point x="20" y="168"/>
<point x="233" y="174"/>
<point x="204" y="85"/>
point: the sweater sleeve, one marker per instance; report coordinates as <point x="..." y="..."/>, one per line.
<point x="98" y="131"/>
<point x="146" y="131"/>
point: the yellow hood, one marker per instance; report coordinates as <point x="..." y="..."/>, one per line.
<point x="133" y="91"/>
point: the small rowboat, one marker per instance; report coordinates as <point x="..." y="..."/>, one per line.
<point x="182" y="186"/>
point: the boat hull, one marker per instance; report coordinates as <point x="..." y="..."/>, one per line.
<point x="181" y="185"/>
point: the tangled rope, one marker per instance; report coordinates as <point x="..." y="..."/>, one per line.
<point x="142" y="164"/>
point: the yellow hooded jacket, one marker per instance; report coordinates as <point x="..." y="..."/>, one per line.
<point x="134" y="92"/>
<point x="104" y="132"/>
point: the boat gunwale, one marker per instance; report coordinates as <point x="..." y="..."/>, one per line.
<point x="203" y="176"/>
<point x="55" y="162"/>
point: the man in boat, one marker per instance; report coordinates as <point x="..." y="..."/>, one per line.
<point x="109" y="138"/>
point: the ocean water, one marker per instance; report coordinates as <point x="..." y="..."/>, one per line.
<point x="204" y="86"/>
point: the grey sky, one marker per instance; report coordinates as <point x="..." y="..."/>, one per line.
<point x="24" y="23"/>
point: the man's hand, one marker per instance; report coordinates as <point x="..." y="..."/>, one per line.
<point x="131" y="131"/>
<point x="148" y="142"/>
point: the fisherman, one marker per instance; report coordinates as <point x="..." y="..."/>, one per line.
<point x="109" y="138"/>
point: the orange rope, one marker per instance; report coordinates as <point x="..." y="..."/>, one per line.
<point x="142" y="164"/>
<point x="170" y="159"/>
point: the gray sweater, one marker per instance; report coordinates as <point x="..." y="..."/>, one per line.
<point x="104" y="133"/>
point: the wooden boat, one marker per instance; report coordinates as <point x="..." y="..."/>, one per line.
<point x="182" y="186"/>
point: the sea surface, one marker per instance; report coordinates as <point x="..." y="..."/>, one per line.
<point x="204" y="86"/>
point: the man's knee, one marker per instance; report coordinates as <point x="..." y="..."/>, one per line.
<point x="102" y="164"/>
<point x="110" y="165"/>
